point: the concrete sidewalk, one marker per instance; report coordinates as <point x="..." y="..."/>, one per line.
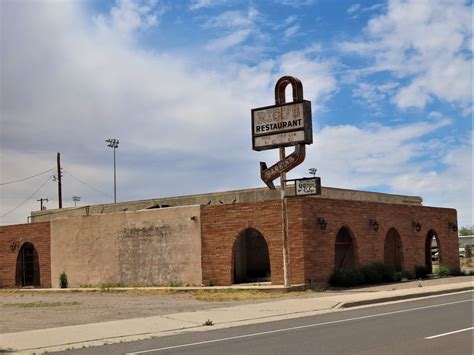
<point x="95" y="334"/>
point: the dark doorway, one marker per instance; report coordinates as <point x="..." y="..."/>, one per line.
<point x="27" y="266"/>
<point x="251" y="259"/>
<point x="432" y="250"/>
<point x="393" y="252"/>
<point x="345" y="253"/>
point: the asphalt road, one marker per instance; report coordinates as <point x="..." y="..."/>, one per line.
<point x="437" y="325"/>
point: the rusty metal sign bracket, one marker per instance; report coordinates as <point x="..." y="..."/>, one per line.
<point x="283" y="166"/>
<point x="297" y="157"/>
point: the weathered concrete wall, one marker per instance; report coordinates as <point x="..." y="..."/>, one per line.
<point x="220" y="198"/>
<point x="148" y="247"/>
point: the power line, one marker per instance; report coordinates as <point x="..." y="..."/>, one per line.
<point x="29" y="197"/>
<point x="88" y="185"/>
<point x="29" y="177"/>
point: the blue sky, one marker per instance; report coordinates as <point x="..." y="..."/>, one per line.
<point x="390" y="84"/>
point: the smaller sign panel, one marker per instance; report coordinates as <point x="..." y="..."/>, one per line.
<point x="308" y="186"/>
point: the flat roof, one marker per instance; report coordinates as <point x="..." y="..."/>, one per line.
<point x="222" y="198"/>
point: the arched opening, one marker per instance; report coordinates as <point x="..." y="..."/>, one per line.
<point x="393" y="251"/>
<point x="432" y="251"/>
<point x="27" y="266"/>
<point x="251" y="258"/>
<point x="345" y="258"/>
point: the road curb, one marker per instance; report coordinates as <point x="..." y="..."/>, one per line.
<point x="403" y="297"/>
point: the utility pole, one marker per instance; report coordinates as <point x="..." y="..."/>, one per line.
<point x="60" y="188"/>
<point x="41" y="200"/>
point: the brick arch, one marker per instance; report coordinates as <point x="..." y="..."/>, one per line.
<point x="429" y="237"/>
<point x="250" y="257"/>
<point x="27" y="271"/>
<point x="393" y="249"/>
<point x="346" y="254"/>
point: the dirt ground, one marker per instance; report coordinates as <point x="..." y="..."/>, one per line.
<point x="22" y="310"/>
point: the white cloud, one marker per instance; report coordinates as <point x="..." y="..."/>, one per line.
<point x="425" y="42"/>
<point x="66" y="87"/>
<point x="289" y="20"/>
<point x="291" y="31"/>
<point x="295" y="3"/>
<point x="353" y="8"/>
<point x="373" y="95"/>
<point x="238" y="25"/>
<point x="319" y="82"/>
<point x="128" y="16"/>
<point x="398" y="157"/>
<point x="228" y="41"/>
<point x="200" y="4"/>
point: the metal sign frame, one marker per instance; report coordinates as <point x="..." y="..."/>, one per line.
<point x="307" y="128"/>
<point x="317" y="181"/>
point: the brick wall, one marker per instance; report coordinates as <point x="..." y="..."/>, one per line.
<point x="319" y="244"/>
<point x="37" y="234"/>
<point x="312" y="250"/>
<point x="220" y="227"/>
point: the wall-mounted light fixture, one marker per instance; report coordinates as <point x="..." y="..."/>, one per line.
<point x="14" y="245"/>
<point x="453" y="226"/>
<point x="193" y="218"/>
<point x="322" y="223"/>
<point x="417" y="226"/>
<point x="374" y="224"/>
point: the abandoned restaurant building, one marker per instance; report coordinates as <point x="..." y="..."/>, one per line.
<point x="243" y="236"/>
<point x="225" y="238"/>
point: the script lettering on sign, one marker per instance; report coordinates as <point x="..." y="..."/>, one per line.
<point x="308" y="186"/>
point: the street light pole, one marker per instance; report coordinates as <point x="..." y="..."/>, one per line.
<point x="113" y="143"/>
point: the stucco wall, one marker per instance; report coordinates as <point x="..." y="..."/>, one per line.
<point x="148" y="247"/>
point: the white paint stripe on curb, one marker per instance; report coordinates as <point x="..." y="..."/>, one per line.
<point x="449" y="333"/>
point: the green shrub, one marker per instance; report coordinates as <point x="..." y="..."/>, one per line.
<point x="421" y="272"/>
<point x="443" y="271"/>
<point x="354" y="278"/>
<point x="407" y="275"/>
<point x="377" y="273"/>
<point x="370" y="274"/>
<point x="63" y="280"/>
<point x="337" y="278"/>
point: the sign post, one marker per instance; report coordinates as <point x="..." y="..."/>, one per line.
<point x="280" y="126"/>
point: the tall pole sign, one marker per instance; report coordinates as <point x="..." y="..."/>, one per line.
<point x="283" y="125"/>
<point x="279" y="126"/>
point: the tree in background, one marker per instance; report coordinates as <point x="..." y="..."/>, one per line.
<point x="469" y="230"/>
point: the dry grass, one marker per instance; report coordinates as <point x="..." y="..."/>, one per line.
<point x="207" y="295"/>
<point x="40" y="304"/>
<point x="241" y="295"/>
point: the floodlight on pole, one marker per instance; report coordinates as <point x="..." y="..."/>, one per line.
<point x="113" y="143"/>
<point x="312" y="171"/>
<point x="76" y="199"/>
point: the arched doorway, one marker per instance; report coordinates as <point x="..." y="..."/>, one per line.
<point x="432" y="250"/>
<point x="345" y="258"/>
<point x="393" y="251"/>
<point x="27" y="266"/>
<point x="251" y="258"/>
